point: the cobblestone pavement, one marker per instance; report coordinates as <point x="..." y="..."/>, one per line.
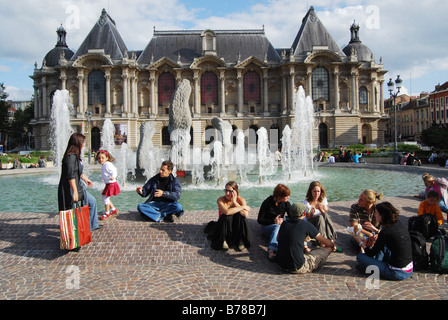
<point x="132" y="258"/>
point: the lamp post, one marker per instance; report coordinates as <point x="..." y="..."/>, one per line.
<point x="394" y="93"/>
<point x="318" y="111"/>
<point x="88" y="115"/>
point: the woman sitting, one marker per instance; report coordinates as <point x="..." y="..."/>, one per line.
<point x="391" y="252"/>
<point x="232" y="227"/>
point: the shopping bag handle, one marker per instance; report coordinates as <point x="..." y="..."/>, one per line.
<point x="77" y="205"/>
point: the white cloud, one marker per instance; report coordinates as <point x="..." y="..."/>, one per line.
<point x="409" y="40"/>
<point x="18" y="94"/>
<point x="5" y="68"/>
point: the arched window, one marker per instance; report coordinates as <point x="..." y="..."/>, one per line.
<point x="97" y="87"/>
<point x="362" y="95"/>
<point x="251" y="87"/>
<point x="166" y="87"/>
<point x="209" y="88"/>
<point x="320" y="84"/>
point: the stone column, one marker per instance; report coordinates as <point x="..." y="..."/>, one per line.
<point x="152" y="97"/>
<point x="197" y="93"/>
<point x="36" y="102"/>
<point x="108" y="106"/>
<point x="309" y="79"/>
<point x="222" y="100"/>
<point x="240" y="92"/>
<point x="284" y="95"/>
<point x="372" y="94"/>
<point x="80" y="91"/>
<point x="63" y="78"/>
<point x="265" y="92"/>
<point x="381" y="97"/>
<point x="291" y="90"/>
<point x="45" y="106"/>
<point x="336" y="88"/>
<point x="125" y="77"/>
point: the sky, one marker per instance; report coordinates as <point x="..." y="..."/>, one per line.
<point x="409" y="36"/>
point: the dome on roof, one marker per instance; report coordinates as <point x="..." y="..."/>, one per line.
<point x="363" y="52"/>
<point x="61" y="49"/>
<point x="356" y="46"/>
<point x="53" y="56"/>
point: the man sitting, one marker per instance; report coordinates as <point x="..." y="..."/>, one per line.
<point x="291" y="238"/>
<point x="164" y="192"/>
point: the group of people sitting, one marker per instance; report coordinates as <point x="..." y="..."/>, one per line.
<point x="410" y="159"/>
<point x="383" y="241"/>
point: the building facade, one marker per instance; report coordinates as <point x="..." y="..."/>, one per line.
<point x="438" y="104"/>
<point x="236" y="75"/>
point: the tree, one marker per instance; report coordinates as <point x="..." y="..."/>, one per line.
<point x="4" y="114"/>
<point x="436" y="136"/>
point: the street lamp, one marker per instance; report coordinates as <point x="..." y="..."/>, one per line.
<point x="394" y="93"/>
<point x="88" y="115"/>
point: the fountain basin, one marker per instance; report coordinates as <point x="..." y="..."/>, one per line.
<point x="38" y="192"/>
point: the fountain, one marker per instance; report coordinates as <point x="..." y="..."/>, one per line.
<point x="266" y="161"/>
<point x="179" y="126"/>
<point x="297" y="151"/>
<point x="250" y="162"/>
<point x="218" y="161"/>
<point x="60" y="128"/>
<point x="146" y="153"/>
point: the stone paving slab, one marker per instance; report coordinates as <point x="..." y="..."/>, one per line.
<point x="131" y="258"/>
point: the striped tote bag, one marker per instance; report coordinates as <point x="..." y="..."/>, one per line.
<point x="75" y="227"/>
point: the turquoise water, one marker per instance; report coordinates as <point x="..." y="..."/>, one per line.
<point x="38" y="192"/>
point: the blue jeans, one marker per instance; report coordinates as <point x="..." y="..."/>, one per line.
<point x="443" y="206"/>
<point x="381" y="261"/>
<point x="157" y="210"/>
<point x="93" y="213"/>
<point x="271" y="231"/>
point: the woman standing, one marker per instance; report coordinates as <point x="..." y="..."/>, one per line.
<point x="316" y="204"/>
<point x="391" y="252"/>
<point x="71" y="184"/>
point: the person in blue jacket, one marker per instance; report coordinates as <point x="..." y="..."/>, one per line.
<point x="356" y="157"/>
<point x="164" y="192"/>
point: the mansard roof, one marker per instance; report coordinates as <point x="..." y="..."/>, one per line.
<point x="185" y="46"/>
<point x="313" y="33"/>
<point x="104" y="35"/>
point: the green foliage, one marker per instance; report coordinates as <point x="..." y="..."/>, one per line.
<point x="436" y="136"/>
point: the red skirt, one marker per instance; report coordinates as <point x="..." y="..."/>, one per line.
<point x="111" y="189"/>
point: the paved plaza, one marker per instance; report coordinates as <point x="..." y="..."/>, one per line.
<point x="131" y="258"/>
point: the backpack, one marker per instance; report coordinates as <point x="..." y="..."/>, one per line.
<point x="420" y="255"/>
<point x="439" y="254"/>
<point x="426" y="224"/>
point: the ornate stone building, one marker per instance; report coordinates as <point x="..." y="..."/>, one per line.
<point x="234" y="74"/>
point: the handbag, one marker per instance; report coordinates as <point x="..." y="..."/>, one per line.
<point x="75" y="227"/>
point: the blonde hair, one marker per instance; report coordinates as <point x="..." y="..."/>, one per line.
<point x="372" y="196"/>
<point x="427" y="177"/>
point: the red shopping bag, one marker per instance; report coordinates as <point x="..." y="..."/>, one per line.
<point x="75" y="227"/>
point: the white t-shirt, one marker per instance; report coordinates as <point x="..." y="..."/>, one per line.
<point x="108" y="170"/>
<point x="316" y="211"/>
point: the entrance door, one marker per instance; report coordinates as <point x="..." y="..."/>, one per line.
<point x="96" y="139"/>
<point x="323" y="135"/>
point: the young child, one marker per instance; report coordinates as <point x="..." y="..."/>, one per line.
<point x="109" y="176"/>
<point x="355" y="229"/>
<point x="431" y="205"/>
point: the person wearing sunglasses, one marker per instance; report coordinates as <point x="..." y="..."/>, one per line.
<point x="232" y="228"/>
